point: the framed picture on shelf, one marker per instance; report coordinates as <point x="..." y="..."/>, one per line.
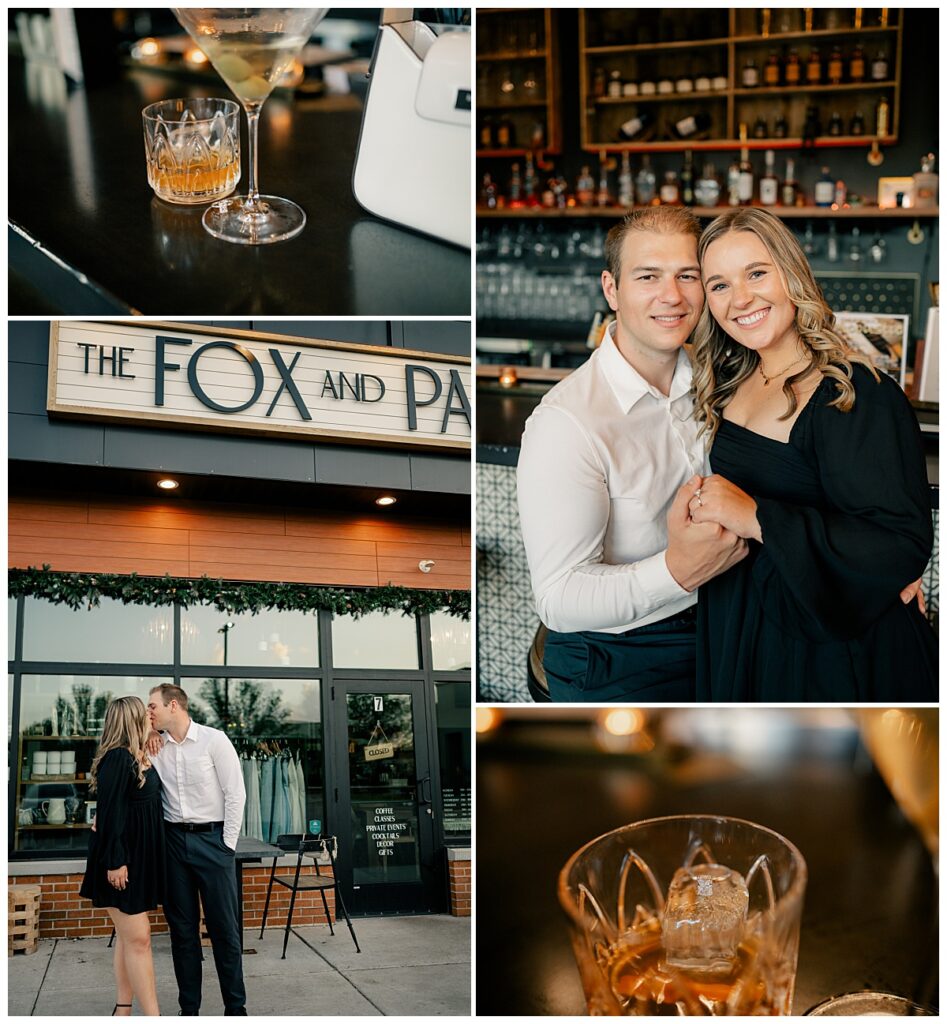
<point x="883" y="337"/>
<point x="90" y="811"/>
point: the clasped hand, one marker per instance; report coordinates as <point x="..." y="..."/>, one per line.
<point x="716" y="500"/>
<point x="118" y="878"/>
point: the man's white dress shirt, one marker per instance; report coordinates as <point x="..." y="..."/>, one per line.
<point x="601" y="459"/>
<point x="202" y="780"/>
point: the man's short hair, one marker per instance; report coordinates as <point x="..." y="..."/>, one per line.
<point x="662" y="220"/>
<point x="170" y="692"/>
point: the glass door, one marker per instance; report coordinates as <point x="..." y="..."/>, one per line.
<point x="385" y="799"/>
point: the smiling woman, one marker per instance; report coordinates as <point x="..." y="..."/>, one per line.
<point x="824" y="477"/>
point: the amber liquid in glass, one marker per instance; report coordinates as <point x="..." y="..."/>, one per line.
<point x="646" y="985"/>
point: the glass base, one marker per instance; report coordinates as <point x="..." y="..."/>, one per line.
<point x="268" y="219"/>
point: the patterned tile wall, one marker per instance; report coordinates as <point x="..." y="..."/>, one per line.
<point x="506" y="619"/>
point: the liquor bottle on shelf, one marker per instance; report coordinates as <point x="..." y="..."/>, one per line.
<point x="505" y="134"/>
<point x="537" y="136"/>
<point x="516" y="188"/>
<point x="488" y="192"/>
<point x="626" y="190"/>
<point x="530" y="182"/>
<point x="771" y="69"/>
<point x="831" y="244"/>
<point x="857" y="124"/>
<point x="882" y="118"/>
<point x="825" y="189"/>
<point x="603" y="197"/>
<point x="684" y="83"/>
<point x="812" y="128"/>
<point x="835" y="66"/>
<point x="793" y="68"/>
<point x="707" y="187"/>
<point x="687" y="179"/>
<point x="841" y="194"/>
<point x="599" y="86"/>
<point x="486" y="133"/>
<point x="925" y="184"/>
<point x="790" y="189"/>
<point x="769" y="183"/>
<point x="694" y="126"/>
<point x="750" y="77"/>
<point x="733" y="183"/>
<point x="637" y="127"/>
<point x="746" y="189"/>
<point x="670" y="190"/>
<point x="878" y="250"/>
<point x="879" y="67"/>
<point x="856" y="64"/>
<point x="814" y="67"/>
<point x="781" y="127"/>
<point x="835" y="123"/>
<point x="760" y="128"/>
<point x="809" y="246"/>
<point x="585" y="188"/>
<point x="614" y="84"/>
<point x="645" y="181"/>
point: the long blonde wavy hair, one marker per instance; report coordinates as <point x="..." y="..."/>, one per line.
<point x="126" y="728"/>
<point x="722" y="364"/>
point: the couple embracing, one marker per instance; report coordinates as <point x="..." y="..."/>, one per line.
<point x="170" y="798"/>
<point x="772" y="468"/>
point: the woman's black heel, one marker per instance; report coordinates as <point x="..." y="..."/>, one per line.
<point x="123" y="1005"/>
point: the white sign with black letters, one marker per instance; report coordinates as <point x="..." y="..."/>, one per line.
<point x="171" y="375"/>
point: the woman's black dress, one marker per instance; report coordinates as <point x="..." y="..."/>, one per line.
<point x="813" y="614"/>
<point x="129" y="829"/>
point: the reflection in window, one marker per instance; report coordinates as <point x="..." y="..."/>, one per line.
<point x="453" y="751"/>
<point x="271" y="638"/>
<point x="375" y="640"/>
<point x="115" y="632"/>
<point x="11" y="628"/>
<point x="276" y="727"/>
<point x="450" y="640"/>
<point x="61" y="720"/>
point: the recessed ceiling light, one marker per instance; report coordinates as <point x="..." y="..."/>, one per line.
<point x="167" y="484"/>
<point x="385" y="499"/>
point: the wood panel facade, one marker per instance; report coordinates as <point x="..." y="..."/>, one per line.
<point x="237" y="542"/>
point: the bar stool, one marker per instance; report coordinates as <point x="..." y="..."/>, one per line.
<point x="308" y="883"/>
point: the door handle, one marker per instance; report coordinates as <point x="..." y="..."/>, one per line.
<point x="422" y="799"/>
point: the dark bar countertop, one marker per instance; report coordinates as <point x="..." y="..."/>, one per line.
<point x="88" y="236"/>
<point x="869" y="919"/>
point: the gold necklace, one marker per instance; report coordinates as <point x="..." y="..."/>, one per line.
<point x="767" y="379"/>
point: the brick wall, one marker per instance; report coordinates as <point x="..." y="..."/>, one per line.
<point x="460" y="888"/>
<point x="65" y="914"/>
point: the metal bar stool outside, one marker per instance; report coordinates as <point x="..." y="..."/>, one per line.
<point x="310" y="883"/>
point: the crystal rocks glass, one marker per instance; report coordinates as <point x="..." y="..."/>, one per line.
<point x="192" y="149"/>
<point x="691" y="915"/>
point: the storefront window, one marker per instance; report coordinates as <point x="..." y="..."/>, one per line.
<point x="450" y="642"/>
<point x="270" y="639"/>
<point x="453" y="751"/>
<point x="113" y="632"/>
<point x="276" y="727"/>
<point x="61" y="720"/>
<point x="376" y="640"/>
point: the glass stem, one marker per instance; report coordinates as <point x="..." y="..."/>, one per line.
<point x="253" y="192"/>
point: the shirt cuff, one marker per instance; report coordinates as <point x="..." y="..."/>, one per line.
<point x="656" y="580"/>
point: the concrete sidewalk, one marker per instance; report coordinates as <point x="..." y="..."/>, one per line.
<point x="408" y="966"/>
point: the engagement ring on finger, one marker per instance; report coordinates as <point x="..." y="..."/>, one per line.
<point x="697" y="496"/>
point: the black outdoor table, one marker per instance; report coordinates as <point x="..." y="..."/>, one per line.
<point x="869" y="919"/>
<point x="88" y="236"/>
<point x="250" y="851"/>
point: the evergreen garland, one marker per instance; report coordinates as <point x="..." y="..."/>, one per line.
<point x="86" y="589"/>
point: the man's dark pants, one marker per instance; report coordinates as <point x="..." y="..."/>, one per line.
<point x="651" y="663"/>
<point x="201" y="864"/>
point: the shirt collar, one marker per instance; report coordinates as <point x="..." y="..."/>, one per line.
<point x="627" y="383"/>
<point x="192" y="733"/>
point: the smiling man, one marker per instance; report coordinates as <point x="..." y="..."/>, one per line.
<point x="607" y="465"/>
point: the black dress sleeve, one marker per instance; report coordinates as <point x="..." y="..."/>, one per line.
<point x="115" y="776"/>
<point x="828" y="574"/>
